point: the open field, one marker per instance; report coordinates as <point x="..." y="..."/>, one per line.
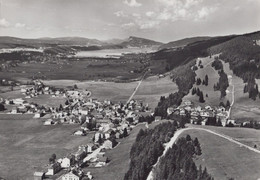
<point x="225" y="159"/>
<point x="150" y="90"/>
<point x="119" y="157"/>
<point x="100" y="90"/>
<point x="44" y="99"/>
<point x="26" y="145"/>
<point x="246" y="136"/>
<point x="153" y="88"/>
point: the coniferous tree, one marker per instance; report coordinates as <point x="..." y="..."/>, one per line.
<point x="201" y="97"/>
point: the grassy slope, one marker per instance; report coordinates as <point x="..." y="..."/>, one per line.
<point x="26" y="145"/>
<point x="224" y="159"/>
<point x="213" y="96"/>
<point x="247" y="136"/>
<point x="244" y="108"/>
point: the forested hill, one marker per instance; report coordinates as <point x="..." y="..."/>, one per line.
<point x="241" y="51"/>
<point x="183" y="42"/>
<point x="243" y="55"/>
<point x="133" y="41"/>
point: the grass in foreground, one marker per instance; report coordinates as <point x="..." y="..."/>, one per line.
<point x="26" y="146"/>
<point x="225" y="159"/>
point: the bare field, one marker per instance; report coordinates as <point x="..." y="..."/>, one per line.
<point x="26" y="146"/>
<point x="225" y="159"/>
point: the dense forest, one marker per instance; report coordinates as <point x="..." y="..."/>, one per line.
<point x="148" y="147"/>
<point x="178" y="162"/>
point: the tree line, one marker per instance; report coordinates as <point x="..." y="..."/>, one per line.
<point x="148" y="147"/>
<point x="178" y="162"/>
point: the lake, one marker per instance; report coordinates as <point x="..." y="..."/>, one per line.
<point x="115" y="53"/>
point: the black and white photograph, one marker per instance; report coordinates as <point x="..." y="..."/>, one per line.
<point x="129" y="90"/>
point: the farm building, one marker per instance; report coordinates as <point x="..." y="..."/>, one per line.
<point x="71" y="176"/>
<point x="38" y="175"/>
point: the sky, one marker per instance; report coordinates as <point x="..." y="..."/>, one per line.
<point x="161" y="20"/>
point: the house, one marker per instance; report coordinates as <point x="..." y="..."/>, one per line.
<point x="53" y="169"/>
<point x="102" y="161"/>
<point x="80" y="133"/>
<point x="14" y="111"/>
<point x="187" y="103"/>
<point x="208" y="108"/>
<point x="90" y="147"/>
<point x="68" y="161"/>
<point x="38" y="175"/>
<point x="157" y="118"/>
<point x="80" y="154"/>
<point x="97" y="136"/>
<point x="37" y="115"/>
<point x="71" y="176"/>
<point x="48" y="122"/>
<point x="108" y="144"/>
<point x="182" y="112"/>
<point x="170" y="110"/>
<point x="18" y="101"/>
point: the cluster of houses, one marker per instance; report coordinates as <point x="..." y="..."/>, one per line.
<point x="38" y="88"/>
<point x="200" y="115"/>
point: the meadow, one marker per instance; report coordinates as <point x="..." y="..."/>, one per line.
<point x="225" y="159"/>
<point x="246" y="136"/>
<point x="213" y="98"/>
<point x="152" y="88"/>
<point x="26" y="145"/>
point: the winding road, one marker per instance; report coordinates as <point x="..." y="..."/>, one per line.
<point x="180" y="131"/>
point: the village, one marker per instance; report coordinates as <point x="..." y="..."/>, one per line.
<point x="208" y="115"/>
<point x="106" y="121"/>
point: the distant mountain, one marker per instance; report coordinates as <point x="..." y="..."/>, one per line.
<point x="133" y="41"/>
<point x="12" y="42"/>
<point x="183" y="42"/>
<point x="115" y="41"/>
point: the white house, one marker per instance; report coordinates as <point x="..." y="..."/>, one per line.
<point x="48" y="122"/>
<point x="68" y="161"/>
<point x="170" y="110"/>
<point x="18" y="101"/>
<point x="108" y="144"/>
<point x="70" y="176"/>
<point x="53" y="169"/>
